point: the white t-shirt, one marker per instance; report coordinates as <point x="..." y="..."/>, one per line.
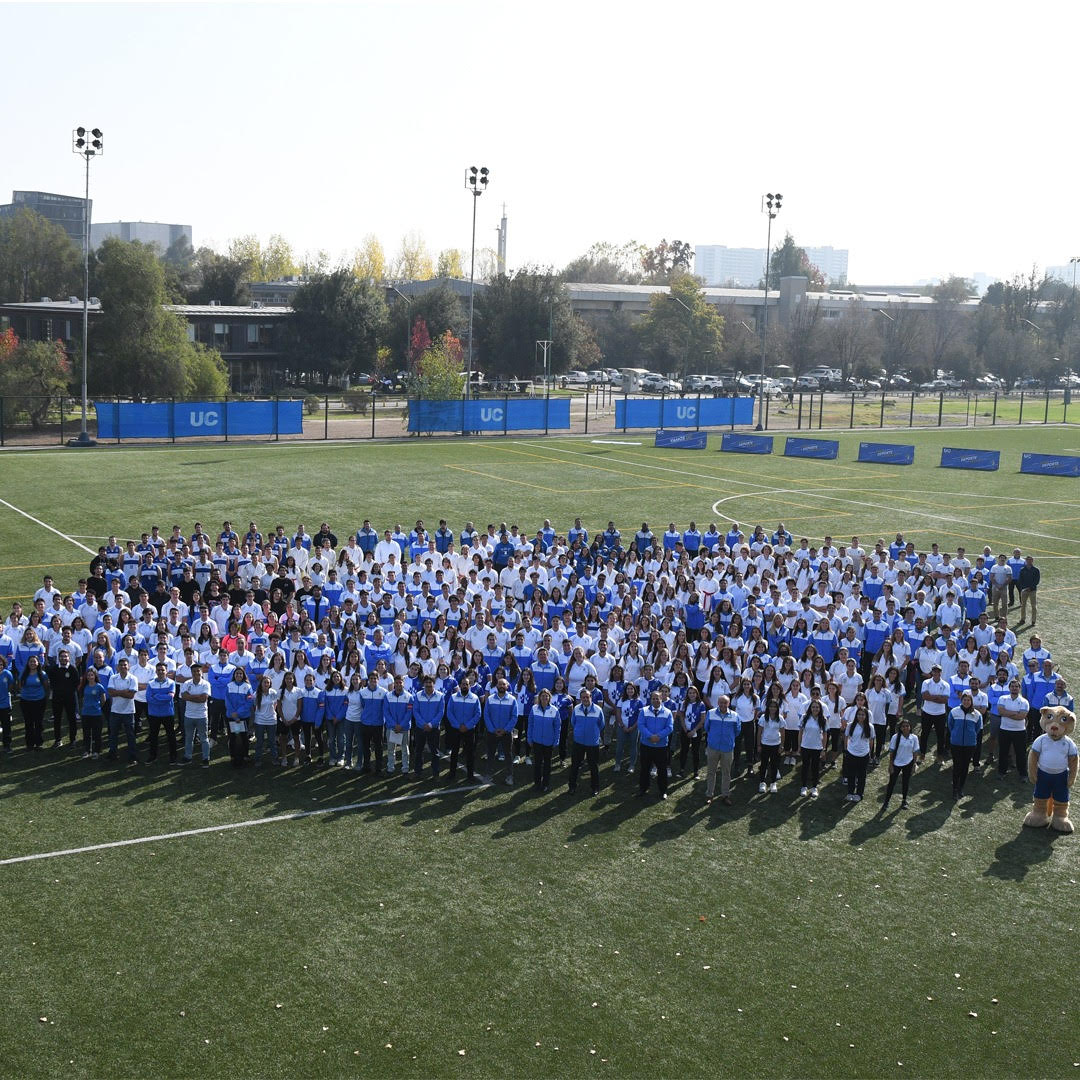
<point x="904" y="748"/>
<point x="123" y="706"/>
<point x="813" y="737"/>
<point x="195" y="710"/>
<point x="770" y="731"/>
<point x="1017" y="704"/>
<point x="858" y="744"/>
<point x="264" y="711"/>
<point x="1054" y="754"/>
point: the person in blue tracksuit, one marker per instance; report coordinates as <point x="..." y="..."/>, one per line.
<point x="336" y="705"/>
<point x="655" y="724"/>
<point x="7" y="687"/>
<point x="587" y="721"/>
<point x="161" y="710"/>
<point x="722" y="728"/>
<point x="372" y="719"/>
<point x="965" y="724"/>
<point x="429" y="708"/>
<point x="462" y="718"/>
<point x="500" y="720"/>
<point x="397" y="715"/>
<point x="312" y="710"/>
<point x="545" y="724"/>
<point x="239" y="707"/>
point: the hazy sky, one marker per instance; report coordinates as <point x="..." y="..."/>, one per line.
<point x="928" y="138"/>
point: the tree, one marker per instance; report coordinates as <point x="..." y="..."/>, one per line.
<point x="606" y="264"/>
<point x="849" y="342"/>
<point x="901" y="339"/>
<point x="219" y="277"/>
<point x="617" y="338"/>
<point x="181" y="270"/>
<point x="37" y="258"/>
<point x="440" y="309"/>
<point x="336" y="325"/>
<point x="33" y="375"/>
<point x="437" y="375"/>
<point x="270" y="263"/>
<point x="413" y="262"/>
<point x="790" y="260"/>
<point x="369" y="261"/>
<point x="513" y="313"/>
<point x="801" y="340"/>
<point x="450" y="264"/>
<point x="666" y="261"/>
<point x="946" y="321"/>
<point x="419" y="341"/>
<point x="205" y="377"/>
<point x="139" y="349"/>
<point x="680" y="328"/>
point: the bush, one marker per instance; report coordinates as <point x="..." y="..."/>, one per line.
<point x="313" y="404"/>
<point x="356" y="399"/>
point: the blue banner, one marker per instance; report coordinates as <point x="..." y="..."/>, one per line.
<point x="1050" y="464"/>
<point x="746" y="444"/>
<point x="954" y="458"/>
<point x="197" y="419"/>
<point x="682" y="440"/>
<point x="669" y="412"/>
<point x="888" y="453"/>
<point x="812" y="448"/>
<point x="490" y="414"/>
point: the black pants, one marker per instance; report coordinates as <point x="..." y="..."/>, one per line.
<point x="962" y="757"/>
<point x="155" y="723"/>
<point x="745" y="741"/>
<point x="62" y="706"/>
<point x="1015" y="743"/>
<point x="564" y="732"/>
<point x="215" y="717"/>
<point x="791" y="743"/>
<point x="881" y="736"/>
<point x="591" y="754"/>
<point x="648" y="756"/>
<point x="426" y="741"/>
<point x="315" y="739"/>
<point x="541" y="756"/>
<point x="462" y="742"/>
<point x="33" y="719"/>
<point x="770" y="764"/>
<point x="1034" y="726"/>
<point x="92" y="727"/>
<point x="499" y="742"/>
<point x="937" y="725"/>
<point x="690" y="744"/>
<point x="855" y="772"/>
<point x="904" y="772"/>
<point x="238" y="746"/>
<point x="5" y="727"/>
<point x="811" y="767"/>
<point x="371" y="739"/>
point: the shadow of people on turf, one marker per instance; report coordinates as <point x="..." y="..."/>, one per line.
<point x="1016" y="857"/>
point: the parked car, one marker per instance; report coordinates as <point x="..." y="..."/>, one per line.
<point x="934" y="386"/>
<point x="807" y="383"/>
<point x="654" y="383"/>
<point x="597" y="377"/>
<point x="576" y="378"/>
<point x="1029" y="382"/>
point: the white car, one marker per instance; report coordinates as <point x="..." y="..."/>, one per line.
<point x="576" y="378"/>
<point x="807" y="383"/>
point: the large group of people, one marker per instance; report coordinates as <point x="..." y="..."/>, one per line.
<point x="753" y="655"/>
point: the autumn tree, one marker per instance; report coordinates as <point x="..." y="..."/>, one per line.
<point x="413" y="261"/>
<point x="369" y="260"/>
<point x="681" y="327"/>
<point x="450" y="264"/>
<point x="33" y="376"/>
<point x="606" y="264"/>
<point x="790" y="260"/>
<point x="666" y="261"/>
<point x="438" y="374"/>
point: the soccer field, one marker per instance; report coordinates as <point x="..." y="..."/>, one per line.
<point x="408" y="929"/>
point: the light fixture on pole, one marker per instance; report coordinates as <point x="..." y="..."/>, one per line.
<point x="476" y="182"/>
<point x="87" y="144"/>
<point x="770" y="204"/>
<point x="1074" y="260"/>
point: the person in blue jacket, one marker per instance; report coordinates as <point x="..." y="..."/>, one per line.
<point x="372" y="719"/>
<point x="312" y="711"/>
<point x="587" y="721"/>
<point x="7" y="687"/>
<point x="500" y="720"/>
<point x="397" y="716"/>
<point x="655" y="724"/>
<point x="92" y="712"/>
<point x="429" y="708"/>
<point x="161" y="710"/>
<point x="722" y="728"/>
<point x="965" y="724"/>
<point x="462" y="717"/>
<point x="545" y="724"/>
<point x="336" y="704"/>
<point x="239" y="707"/>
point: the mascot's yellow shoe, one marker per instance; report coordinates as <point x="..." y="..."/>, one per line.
<point x="1039" y="817"/>
<point x="1058" y="772"/>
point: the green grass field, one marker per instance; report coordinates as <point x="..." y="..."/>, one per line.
<point x="494" y="932"/>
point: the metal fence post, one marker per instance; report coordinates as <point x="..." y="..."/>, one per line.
<point x="940" y="407"/>
<point x="697" y="415"/>
<point x="625" y="406"/>
<point x="326" y="417"/>
<point x="851" y="421"/>
<point x="810" y="414"/>
<point x="117" y="419"/>
<point x="1046" y="413"/>
<point x="506" y="414"/>
<point x="277" y="418"/>
<point x="61" y="419"/>
<point x="821" y="410"/>
<point x="766" y="413"/>
<point x="586" y="412"/>
<point x="881" y="418"/>
<point x="911" y="413"/>
<point x="172" y="420"/>
<point x="225" y="415"/>
<point x="993" y="421"/>
<point x="373" y="414"/>
<point x="1021" y="420"/>
<point x="975" y="412"/>
<point x="798" y="421"/>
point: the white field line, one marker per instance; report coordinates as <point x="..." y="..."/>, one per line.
<point x="300" y="814"/>
<point x="38" y="521"/>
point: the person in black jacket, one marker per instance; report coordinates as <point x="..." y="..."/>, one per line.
<point x="64" y="678"/>
<point x="1028" y="583"/>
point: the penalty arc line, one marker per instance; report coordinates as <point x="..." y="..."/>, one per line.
<point x="38" y="521"/>
<point x="297" y="816"/>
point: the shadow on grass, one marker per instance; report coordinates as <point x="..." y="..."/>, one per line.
<point x="1015" y="858"/>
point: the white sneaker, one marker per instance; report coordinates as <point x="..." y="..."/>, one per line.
<point x="761" y="788"/>
<point x="772" y="789"/>
<point x="856" y="798"/>
<point x="849" y="797"/>
<point x="803" y="792"/>
<point x="813" y="793"/>
<point x="617" y="768"/>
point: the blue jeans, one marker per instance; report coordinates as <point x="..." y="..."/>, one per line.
<point x="128" y="721"/>
<point x="352" y="741"/>
<point x="335" y="739"/>
<point x="195" y="726"/>
<point x="266" y="733"/>
<point x="622" y="737"/>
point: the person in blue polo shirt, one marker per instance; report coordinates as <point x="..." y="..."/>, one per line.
<point x="655" y="724"/>
<point x="722" y="728"/>
<point x="587" y="720"/>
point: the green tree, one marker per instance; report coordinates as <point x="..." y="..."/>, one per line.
<point x="666" y="261"/>
<point x="681" y="328"/>
<point x="440" y="309"/>
<point x="219" y="277"/>
<point x="946" y="321"/>
<point x="138" y="348"/>
<point x="513" y="313"/>
<point x="205" y="377"/>
<point x="33" y="376"/>
<point x="606" y="264"/>
<point x="181" y="270"/>
<point x="37" y="258"/>
<point x="450" y="264"/>
<point x="413" y="262"/>
<point x="790" y="260"/>
<point x="337" y="325"/>
<point x="438" y="375"/>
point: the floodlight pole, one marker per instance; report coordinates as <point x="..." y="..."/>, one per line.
<point x="476" y="181"/>
<point x="87" y="145"/>
<point x="770" y="204"/>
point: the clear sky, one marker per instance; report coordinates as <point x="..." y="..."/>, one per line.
<point x="928" y="138"/>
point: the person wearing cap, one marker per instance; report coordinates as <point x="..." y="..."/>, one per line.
<point x="935" y="700"/>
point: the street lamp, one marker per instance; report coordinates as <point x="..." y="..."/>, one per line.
<point x="770" y="204"/>
<point x="476" y="182"/>
<point x="1073" y="261"/>
<point x="408" y="323"/>
<point x="689" y="331"/>
<point x="87" y="144"/>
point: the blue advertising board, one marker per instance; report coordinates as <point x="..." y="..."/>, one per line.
<point x="812" y="448"/>
<point x="954" y="458"/>
<point x="681" y="440"/>
<point x="197" y="419"/>
<point x="1050" y="464"/>
<point x="490" y="414"/>
<point x="887" y="453"/>
<point x="735" y="443"/>
<point x="681" y="412"/>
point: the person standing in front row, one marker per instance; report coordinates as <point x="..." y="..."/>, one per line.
<point x="545" y="726"/>
<point x="123" y="686"/>
<point x="858" y="739"/>
<point x="770" y="731"/>
<point x="429" y="707"/>
<point x="462" y="716"/>
<point x="655" y="724"/>
<point x="588" y="723"/>
<point x="722" y="728"/>
<point x="33" y="693"/>
<point x="903" y="749"/>
<point x="965" y="724"/>
<point x="161" y="709"/>
<point x="195" y="693"/>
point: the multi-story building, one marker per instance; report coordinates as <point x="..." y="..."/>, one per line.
<point x="718" y="264"/>
<point x="67" y="211"/>
<point x="146" y="232"/>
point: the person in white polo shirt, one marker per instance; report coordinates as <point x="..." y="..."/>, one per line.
<point x="935" y="704"/>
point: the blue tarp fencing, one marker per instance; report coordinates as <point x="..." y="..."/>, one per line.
<point x="492" y="414"/>
<point x="955" y="458"/>
<point x="191" y="419"/>
<point x="812" y="448"/>
<point x="1050" y="464"/>
<point x="889" y="453"/>
<point x="681" y="412"/>
<point x="682" y="440"/>
<point x="746" y="444"/>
